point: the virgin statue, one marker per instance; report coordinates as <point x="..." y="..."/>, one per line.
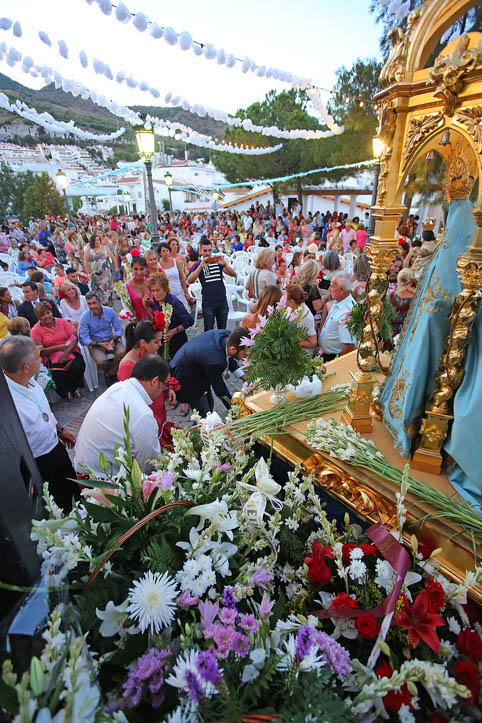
<point x="411" y="377"/>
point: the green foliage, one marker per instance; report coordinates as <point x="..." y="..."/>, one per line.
<point x="276" y="359"/>
<point x="356" y="320"/>
<point x="311" y="698"/>
<point x="13" y="186"/>
<point x="166" y="206"/>
<point x="161" y="556"/>
<point x="43" y="199"/>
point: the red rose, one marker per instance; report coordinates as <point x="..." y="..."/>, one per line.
<point x="367" y="625"/>
<point x="393" y="700"/>
<point x="435" y="593"/>
<point x="319" y="572"/>
<point x="345" y="552"/>
<point x="470" y="644"/>
<point x="466" y="674"/>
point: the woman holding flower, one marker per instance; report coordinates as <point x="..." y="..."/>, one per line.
<point x="138" y="288"/>
<point x="142" y="337"/>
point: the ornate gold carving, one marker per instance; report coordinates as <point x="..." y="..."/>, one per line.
<point x="357" y="411"/>
<point x="418" y="128"/>
<point x="239" y="400"/>
<point x="383" y="175"/>
<point x="450" y="372"/>
<point x="459" y="176"/>
<point x="448" y="72"/>
<point x="387" y="120"/>
<point x="362" y="499"/>
<point x="471" y="118"/>
<point x="394" y="69"/>
<point x="397" y="396"/>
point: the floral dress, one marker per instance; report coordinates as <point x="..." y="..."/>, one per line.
<point x="102" y="276"/>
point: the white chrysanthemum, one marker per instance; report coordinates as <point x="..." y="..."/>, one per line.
<point x="357" y="570"/>
<point x="356" y="553"/>
<point x="187" y="661"/>
<point x="152" y="601"/>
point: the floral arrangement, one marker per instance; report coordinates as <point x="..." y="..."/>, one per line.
<point x="275" y="357"/>
<point x="127" y="307"/>
<point x="205" y="592"/>
<point x="161" y="322"/>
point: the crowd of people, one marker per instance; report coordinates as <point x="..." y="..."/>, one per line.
<point x="71" y="313"/>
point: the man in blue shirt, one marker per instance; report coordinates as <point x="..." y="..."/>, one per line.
<point x="236" y="244"/>
<point x="100" y="329"/>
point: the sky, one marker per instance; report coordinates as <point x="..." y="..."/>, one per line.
<point x="311" y="38"/>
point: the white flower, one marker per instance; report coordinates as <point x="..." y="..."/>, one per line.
<point x="257" y="657"/>
<point x="454" y="625"/>
<point x="211" y="420"/>
<point x="208" y="578"/>
<point x="313" y="661"/>
<point x="197" y="587"/>
<point x="191" y="567"/>
<point x="152" y="601"/>
<point x="249" y="673"/>
<point x="113" y="617"/>
<point x="195" y="474"/>
<point x="356" y="553"/>
<point x="204" y="562"/>
<point x="292" y="524"/>
<point x="357" y="570"/>
<point x="187" y="661"/>
<point x="345" y="627"/>
<point x="218" y="515"/>
<point x="405" y="715"/>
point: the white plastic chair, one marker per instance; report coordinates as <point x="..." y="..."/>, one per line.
<point x="195" y="290"/>
<point x="234" y="317"/>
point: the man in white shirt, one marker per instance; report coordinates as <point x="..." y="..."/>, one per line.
<point x="103" y="426"/>
<point x="335" y="339"/>
<point x="20" y="362"/>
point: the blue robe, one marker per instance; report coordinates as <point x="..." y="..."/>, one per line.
<point x="411" y="378"/>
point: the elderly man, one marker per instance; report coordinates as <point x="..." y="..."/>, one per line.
<point x="20" y="361"/>
<point x="334" y="338"/>
<point x="31" y="296"/>
<point x="103" y="427"/>
<point x="101" y="330"/>
<point x="347" y="235"/>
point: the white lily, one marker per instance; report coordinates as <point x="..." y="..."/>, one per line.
<point x="211" y="420"/>
<point x="218" y="515"/>
<point x="112" y="618"/>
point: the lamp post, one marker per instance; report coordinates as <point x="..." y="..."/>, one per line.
<point x="145" y="143"/>
<point x="62" y="182"/>
<point x="378" y="148"/>
<point x="168" y="180"/>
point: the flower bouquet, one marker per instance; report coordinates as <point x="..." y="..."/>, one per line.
<point x="205" y="592"/>
<point x="161" y="322"/>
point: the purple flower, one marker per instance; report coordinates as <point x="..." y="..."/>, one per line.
<point x="186" y="600"/>
<point x="156" y="683"/>
<point x="260" y="577"/>
<point x="229" y="600"/>
<point x="304" y="641"/>
<point x="224" y="467"/>
<point x="262" y="321"/>
<point x="193" y="685"/>
<point x="265" y="607"/>
<point x="228" y="616"/>
<point x="241" y="644"/>
<point x="335" y="654"/>
<point x="256" y="330"/>
<point x="247" y="341"/>
<point x="208" y="612"/>
<point x="249" y="623"/>
<point x="166" y="480"/>
<point x="207" y="667"/>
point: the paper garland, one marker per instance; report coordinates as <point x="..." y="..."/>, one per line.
<point x="185" y="41"/>
<point x="49" y="123"/>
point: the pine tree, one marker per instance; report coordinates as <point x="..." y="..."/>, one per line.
<point x="43" y="199"/>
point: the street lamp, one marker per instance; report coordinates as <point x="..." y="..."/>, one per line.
<point x="63" y="183"/>
<point x="168" y="180"/>
<point x="145" y="144"/>
<point x="378" y="149"/>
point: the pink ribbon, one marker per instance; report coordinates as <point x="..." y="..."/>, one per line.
<point x="398" y="558"/>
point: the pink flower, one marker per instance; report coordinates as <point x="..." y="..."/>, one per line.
<point x="282" y="301"/>
<point x="265" y="607"/>
<point x="99" y="495"/>
<point x="260" y="577"/>
<point x="247" y="387"/>
<point x="240" y="644"/>
<point x="262" y="321"/>
<point x="248" y="623"/>
<point x="228" y="616"/>
<point x="269" y="310"/>
<point x="186" y="600"/>
<point x="247" y="341"/>
<point x="166" y="480"/>
<point x="256" y="330"/>
<point x="208" y="612"/>
<point x="148" y="488"/>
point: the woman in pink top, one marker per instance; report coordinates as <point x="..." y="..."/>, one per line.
<point x="58" y="341"/>
<point x="138" y="289"/>
<point x="361" y="237"/>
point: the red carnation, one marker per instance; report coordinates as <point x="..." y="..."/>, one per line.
<point x="343" y="603"/>
<point x="159" y="321"/>
<point x="134" y="253"/>
<point x="345" y="552"/>
<point x="436" y="594"/>
<point x="367" y="625"/>
<point x="420" y="621"/>
<point x="470" y="644"/>
<point x="318" y="570"/>
<point x="425" y="550"/>
<point x="393" y="700"/>
<point x="368" y="549"/>
<point x="466" y="674"/>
